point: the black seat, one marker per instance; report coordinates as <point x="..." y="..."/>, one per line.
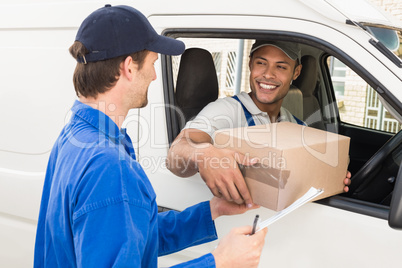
<point x="197" y="83"/>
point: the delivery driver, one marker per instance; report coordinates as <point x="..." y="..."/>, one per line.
<point x="98" y="207"/>
<point x="273" y="66"/>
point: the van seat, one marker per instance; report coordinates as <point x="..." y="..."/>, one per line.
<point x="307" y="82"/>
<point x="293" y="102"/>
<point x="197" y="83"/>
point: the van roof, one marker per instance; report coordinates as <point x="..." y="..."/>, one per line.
<point x="364" y="12"/>
<point x="340" y="11"/>
<point x="312" y="10"/>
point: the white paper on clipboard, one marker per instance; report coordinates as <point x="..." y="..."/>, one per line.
<point x="308" y="196"/>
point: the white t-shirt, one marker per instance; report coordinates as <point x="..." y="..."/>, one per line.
<point x="228" y="113"/>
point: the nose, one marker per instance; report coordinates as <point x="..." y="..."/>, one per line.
<point x="269" y="72"/>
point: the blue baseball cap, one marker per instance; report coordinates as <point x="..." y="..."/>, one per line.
<point x="114" y="31"/>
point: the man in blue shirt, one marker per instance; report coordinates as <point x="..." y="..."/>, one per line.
<point x="98" y="207"/>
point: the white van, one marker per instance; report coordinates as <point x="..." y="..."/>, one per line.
<point x="351" y="84"/>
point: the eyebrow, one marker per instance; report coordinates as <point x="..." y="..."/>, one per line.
<point x="280" y="62"/>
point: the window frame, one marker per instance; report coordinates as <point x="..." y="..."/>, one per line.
<point x="345" y="203"/>
<point x="330" y="84"/>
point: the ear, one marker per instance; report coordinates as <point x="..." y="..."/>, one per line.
<point x="128" y="67"/>
<point x="297" y="71"/>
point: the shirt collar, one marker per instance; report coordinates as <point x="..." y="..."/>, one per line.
<point x="284" y="114"/>
<point x="249" y="103"/>
<point x="97" y="119"/>
<point x="104" y="124"/>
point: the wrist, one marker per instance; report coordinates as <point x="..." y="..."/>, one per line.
<point x="200" y="155"/>
<point x="217" y="259"/>
<point x="214" y="209"/>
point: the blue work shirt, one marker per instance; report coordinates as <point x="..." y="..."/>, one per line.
<point x="98" y="207"/>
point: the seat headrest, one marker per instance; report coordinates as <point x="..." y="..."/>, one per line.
<point x="197" y="82"/>
<point x="293" y="101"/>
<point x="307" y="79"/>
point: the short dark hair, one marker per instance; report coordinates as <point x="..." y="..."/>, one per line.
<point x="93" y="78"/>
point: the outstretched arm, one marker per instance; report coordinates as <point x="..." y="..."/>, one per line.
<point x="193" y="151"/>
<point x="236" y="249"/>
<point x="186" y="150"/>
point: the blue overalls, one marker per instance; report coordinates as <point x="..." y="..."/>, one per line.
<point x="249" y="117"/>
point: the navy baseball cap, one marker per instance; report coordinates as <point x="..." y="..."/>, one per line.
<point x="114" y="31"/>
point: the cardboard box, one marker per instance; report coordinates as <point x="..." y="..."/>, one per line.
<point x="293" y="158"/>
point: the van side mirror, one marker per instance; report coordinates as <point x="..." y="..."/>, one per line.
<point x="395" y="212"/>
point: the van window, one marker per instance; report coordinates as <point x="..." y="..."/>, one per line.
<point x="337" y="91"/>
<point x="358" y="103"/>
<point x="232" y="75"/>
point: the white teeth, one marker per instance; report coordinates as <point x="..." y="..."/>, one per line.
<point x="265" y="86"/>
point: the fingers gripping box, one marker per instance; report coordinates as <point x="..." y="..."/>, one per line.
<point x="292" y="158"/>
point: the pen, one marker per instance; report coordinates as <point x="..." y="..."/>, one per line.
<point x="255" y="224"/>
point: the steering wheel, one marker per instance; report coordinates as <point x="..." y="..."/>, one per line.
<point x="373" y="163"/>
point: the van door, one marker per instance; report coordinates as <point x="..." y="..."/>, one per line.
<point x="315" y="233"/>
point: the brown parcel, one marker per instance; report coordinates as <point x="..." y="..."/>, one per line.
<point x="292" y="158"/>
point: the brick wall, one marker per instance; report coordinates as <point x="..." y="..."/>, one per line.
<point x="394" y="7"/>
<point x="352" y="105"/>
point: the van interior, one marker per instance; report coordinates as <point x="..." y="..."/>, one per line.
<point x="323" y="96"/>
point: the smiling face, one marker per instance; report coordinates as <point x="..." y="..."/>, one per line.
<point x="271" y="73"/>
